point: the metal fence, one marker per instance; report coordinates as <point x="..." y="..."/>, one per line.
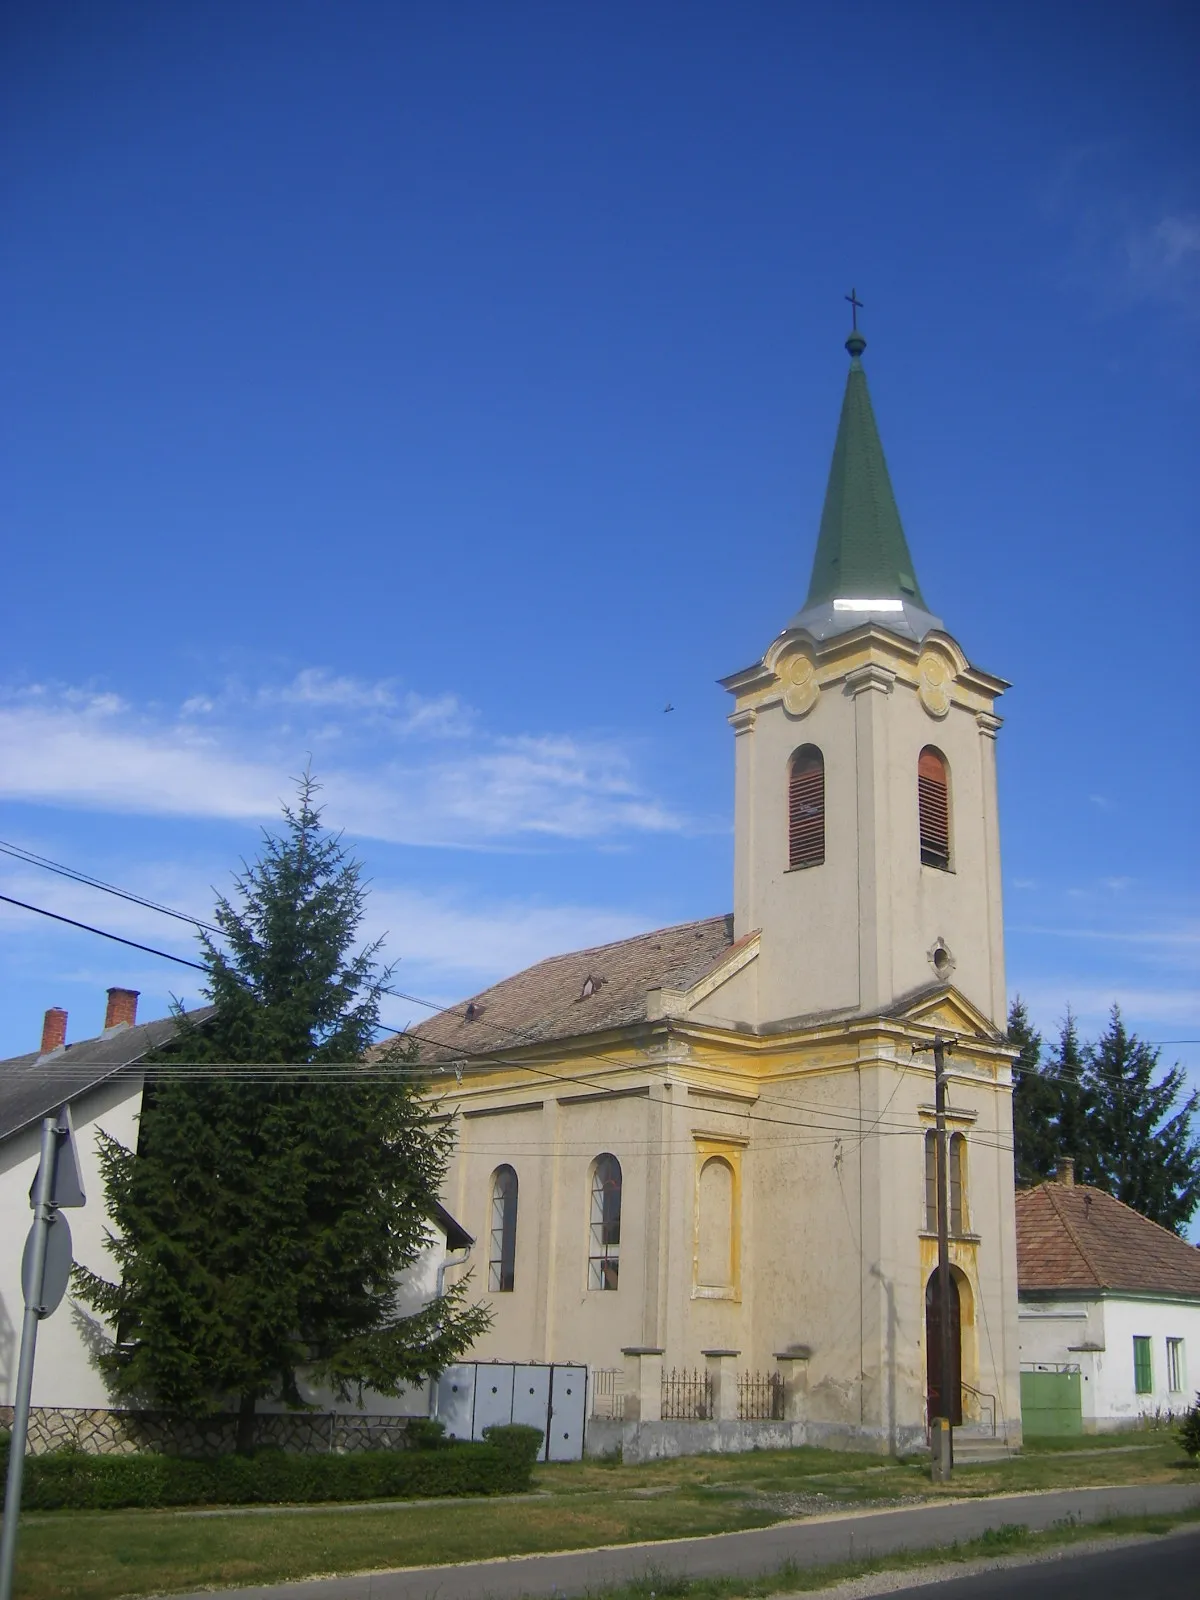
<point x="760" y="1397"/>
<point x="608" y="1398"/>
<point x="686" y="1396"/>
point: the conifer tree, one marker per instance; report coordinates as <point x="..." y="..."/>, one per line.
<point x="1139" y="1137"/>
<point x="280" y="1182"/>
<point x="1067" y="1070"/>
<point x="1035" y="1101"/>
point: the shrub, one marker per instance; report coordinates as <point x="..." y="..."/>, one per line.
<point x="71" y="1480"/>
<point x="519" y="1445"/>
<point x="1189" y="1430"/>
<point x="426" y="1433"/>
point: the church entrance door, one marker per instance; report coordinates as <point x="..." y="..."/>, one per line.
<point x="933" y="1348"/>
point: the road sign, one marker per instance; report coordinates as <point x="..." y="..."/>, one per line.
<point x="56" y="1267"/>
<point x="67" y="1189"/>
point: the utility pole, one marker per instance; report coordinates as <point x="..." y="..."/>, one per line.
<point x="942" y="1426"/>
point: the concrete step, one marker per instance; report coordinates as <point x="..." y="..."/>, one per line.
<point x="970" y="1447"/>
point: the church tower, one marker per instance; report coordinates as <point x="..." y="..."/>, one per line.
<point x="866" y="836"/>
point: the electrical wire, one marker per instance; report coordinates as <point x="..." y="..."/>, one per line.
<point x="30" y="858"/>
<point x="102" y="933"/>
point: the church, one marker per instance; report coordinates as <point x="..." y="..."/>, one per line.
<point x="717" y="1139"/>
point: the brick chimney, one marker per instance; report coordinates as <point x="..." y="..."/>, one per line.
<point x="54" y="1030"/>
<point x="1064" y="1171"/>
<point x="122" y="1008"/>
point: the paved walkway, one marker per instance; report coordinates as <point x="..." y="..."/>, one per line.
<point x="817" y="1541"/>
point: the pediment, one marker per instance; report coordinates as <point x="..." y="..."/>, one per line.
<point x="947" y="1009"/>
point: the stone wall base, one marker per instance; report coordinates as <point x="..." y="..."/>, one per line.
<point x="125" y="1432"/>
<point x="656" y="1441"/>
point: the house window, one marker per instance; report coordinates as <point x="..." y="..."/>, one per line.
<point x="503" y="1254"/>
<point x="958" y="1183"/>
<point x="604" y="1232"/>
<point x="933" y="797"/>
<point x="1176" y="1378"/>
<point x="806" y="808"/>
<point x="1143" y="1371"/>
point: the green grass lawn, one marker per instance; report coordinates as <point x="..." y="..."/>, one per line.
<point x="105" y="1555"/>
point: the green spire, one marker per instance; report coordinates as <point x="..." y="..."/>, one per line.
<point x="862" y="553"/>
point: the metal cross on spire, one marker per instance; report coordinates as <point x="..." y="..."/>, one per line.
<point x="856" y="306"/>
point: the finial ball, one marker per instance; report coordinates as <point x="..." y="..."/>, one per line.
<point x="856" y="344"/>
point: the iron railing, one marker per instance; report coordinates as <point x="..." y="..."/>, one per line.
<point x="760" y="1397"/>
<point x="985" y="1403"/>
<point x="686" y="1396"/>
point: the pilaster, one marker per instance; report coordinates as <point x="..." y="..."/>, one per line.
<point x="870" y="686"/>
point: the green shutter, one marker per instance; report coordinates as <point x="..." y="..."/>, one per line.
<point x="1143" y="1372"/>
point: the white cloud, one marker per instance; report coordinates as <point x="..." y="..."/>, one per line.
<point x="1128" y="242"/>
<point x="385" y="766"/>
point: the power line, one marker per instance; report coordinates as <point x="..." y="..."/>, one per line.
<point x="103" y="933"/>
<point x="19" y="853"/>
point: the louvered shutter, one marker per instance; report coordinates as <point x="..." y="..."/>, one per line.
<point x="933" y="793"/>
<point x="806" y="810"/>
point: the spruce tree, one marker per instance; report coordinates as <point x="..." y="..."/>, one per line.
<point x="1035" y="1101"/>
<point x="1067" y="1071"/>
<point x="281" y="1181"/>
<point x="1141" y="1148"/>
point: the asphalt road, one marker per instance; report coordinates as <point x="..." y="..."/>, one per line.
<point x="814" y="1542"/>
<point x="1167" y="1569"/>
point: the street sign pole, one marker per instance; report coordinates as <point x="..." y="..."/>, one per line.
<point x="43" y="1216"/>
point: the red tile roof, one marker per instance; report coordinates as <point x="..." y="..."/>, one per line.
<point x="1072" y="1237"/>
<point x="585" y="991"/>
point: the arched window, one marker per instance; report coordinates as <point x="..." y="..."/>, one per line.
<point x="715" y="1256"/>
<point x="958" y="1183"/>
<point x="502" y="1258"/>
<point x="956" y="1161"/>
<point x="806" y="808"/>
<point x="931" y="1207"/>
<point x="604" y="1231"/>
<point x="933" y="795"/>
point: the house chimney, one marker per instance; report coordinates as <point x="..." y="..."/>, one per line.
<point x="122" y="1008"/>
<point x="54" y="1030"/>
<point x="1064" y="1172"/>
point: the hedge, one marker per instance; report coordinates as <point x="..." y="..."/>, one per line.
<point x="71" y="1480"/>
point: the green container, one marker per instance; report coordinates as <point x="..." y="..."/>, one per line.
<point x="1051" y="1405"/>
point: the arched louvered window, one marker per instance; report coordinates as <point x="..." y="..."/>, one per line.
<point x="604" y="1231"/>
<point x="502" y="1257"/>
<point x="806" y="808"/>
<point x="933" y="794"/>
<point x="958" y="1182"/>
<point x="931" y="1205"/>
<point x="956" y="1175"/>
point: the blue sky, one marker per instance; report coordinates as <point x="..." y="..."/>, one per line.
<point x="441" y="390"/>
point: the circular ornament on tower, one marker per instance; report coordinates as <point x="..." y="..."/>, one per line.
<point x="800" y="688"/>
<point x="935" y="676"/>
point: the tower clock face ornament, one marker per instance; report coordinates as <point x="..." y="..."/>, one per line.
<point x="936" y="675"/>
<point x="800" y="684"/>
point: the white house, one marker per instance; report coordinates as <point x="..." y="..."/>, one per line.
<point x="102" y="1081"/>
<point x="1109" y="1312"/>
